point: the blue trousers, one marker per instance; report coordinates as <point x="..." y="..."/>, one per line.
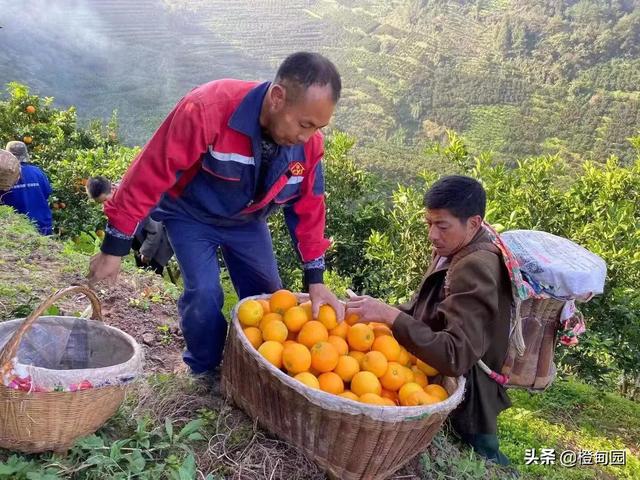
<point x="248" y="254"/>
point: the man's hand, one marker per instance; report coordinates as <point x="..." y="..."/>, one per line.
<point x="370" y="309"/>
<point x="321" y="295"/>
<point x="103" y="267"/>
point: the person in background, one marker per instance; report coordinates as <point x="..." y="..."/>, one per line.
<point x="151" y="247"/>
<point x="30" y="194"/>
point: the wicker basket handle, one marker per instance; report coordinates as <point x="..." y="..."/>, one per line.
<point x="11" y="348"/>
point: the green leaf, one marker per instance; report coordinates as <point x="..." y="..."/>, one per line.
<point x="191" y="427"/>
<point x="168" y="426"/>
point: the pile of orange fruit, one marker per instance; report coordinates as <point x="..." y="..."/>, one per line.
<point x="358" y="361"/>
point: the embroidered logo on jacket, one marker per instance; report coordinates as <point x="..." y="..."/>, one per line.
<point x="296" y="168"/>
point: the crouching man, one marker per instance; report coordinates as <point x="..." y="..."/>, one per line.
<point x="459" y="315"/>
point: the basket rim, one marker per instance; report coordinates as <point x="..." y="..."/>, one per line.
<point x="137" y="349"/>
<point x="328" y="401"/>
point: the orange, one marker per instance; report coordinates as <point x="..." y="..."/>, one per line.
<point x="341" y="330"/>
<point x="357" y="355"/>
<point x="276" y="331"/>
<point x="269" y="317"/>
<point x="352" y="319"/>
<point x="410" y="377"/>
<point x="27" y="139"/>
<point x="372" y="398"/>
<point x="360" y="337"/>
<point x="406" y="390"/>
<point x="339" y="343"/>
<point x="347" y="367"/>
<point x="306" y="306"/>
<point x="381" y="330"/>
<point x="349" y="394"/>
<point x="394" y="377"/>
<point x="404" y="358"/>
<point x="419" y="377"/>
<point x="327" y="316"/>
<point x="419" y="398"/>
<point x="30" y="109"/>
<point x="388" y="346"/>
<point x="265" y="305"/>
<point x="295" y="318"/>
<point x="289" y="342"/>
<point x="437" y="391"/>
<point x="365" y="382"/>
<point x="387" y="402"/>
<point x="374" y="362"/>
<point x="428" y="370"/>
<point x="250" y="313"/>
<point x="282" y="300"/>
<point x="308" y="379"/>
<point x="272" y="351"/>
<point x="324" y="357"/>
<point x="311" y="333"/>
<point x="412" y="358"/>
<point x="330" y="382"/>
<point x="254" y="335"/>
<point x="393" y="396"/>
<point x="296" y="358"/>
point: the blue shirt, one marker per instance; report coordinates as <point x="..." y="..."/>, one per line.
<point x="30" y="195"/>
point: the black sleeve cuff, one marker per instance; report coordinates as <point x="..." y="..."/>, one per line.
<point x="313" y="275"/>
<point x="112" y="245"/>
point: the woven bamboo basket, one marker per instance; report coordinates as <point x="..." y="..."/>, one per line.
<point x="41" y="421"/>
<point x="349" y="439"/>
<point x="9" y="170"/>
<point x="535" y="369"/>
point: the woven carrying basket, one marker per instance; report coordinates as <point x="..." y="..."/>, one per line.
<point x="40" y="421"/>
<point x="535" y="370"/>
<point x="9" y="170"/>
<point x="351" y="440"/>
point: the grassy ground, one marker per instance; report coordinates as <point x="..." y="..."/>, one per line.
<point x="175" y="427"/>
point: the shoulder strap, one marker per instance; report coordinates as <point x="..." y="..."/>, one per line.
<point x="463" y="252"/>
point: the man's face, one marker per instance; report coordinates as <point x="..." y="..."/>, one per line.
<point x="294" y="121"/>
<point x="449" y="234"/>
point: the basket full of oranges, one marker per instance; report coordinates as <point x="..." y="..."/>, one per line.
<point x="346" y="393"/>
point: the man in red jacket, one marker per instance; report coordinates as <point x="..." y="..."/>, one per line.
<point x="229" y="154"/>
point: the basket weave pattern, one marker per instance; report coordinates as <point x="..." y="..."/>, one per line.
<point x="39" y="421"/>
<point x="349" y="439"/>
<point x="540" y="323"/>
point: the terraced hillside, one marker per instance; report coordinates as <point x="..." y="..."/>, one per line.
<point x="517" y="77"/>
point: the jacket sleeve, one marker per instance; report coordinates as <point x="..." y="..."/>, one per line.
<point x="467" y="312"/>
<point x="177" y="145"/>
<point x="306" y="219"/>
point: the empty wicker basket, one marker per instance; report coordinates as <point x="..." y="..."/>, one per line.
<point x="351" y="440"/>
<point x="32" y="420"/>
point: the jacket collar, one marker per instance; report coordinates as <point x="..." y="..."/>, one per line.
<point x="246" y="117"/>
<point x="481" y="236"/>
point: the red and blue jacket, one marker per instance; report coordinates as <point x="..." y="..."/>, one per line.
<point x="204" y="161"/>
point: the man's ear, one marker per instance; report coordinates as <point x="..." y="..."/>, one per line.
<point x="278" y="97"/>
<point x="475" y="222"/>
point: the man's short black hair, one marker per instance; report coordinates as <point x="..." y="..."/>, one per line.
<point x="463" y="196"/>
<point x="307" y="69"/>
<point x="97" y="186"/>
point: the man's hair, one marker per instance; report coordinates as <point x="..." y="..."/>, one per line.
<point x="463" y="196"/>
<point x="305" y="69"/>
<point x="97" y="186"/>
